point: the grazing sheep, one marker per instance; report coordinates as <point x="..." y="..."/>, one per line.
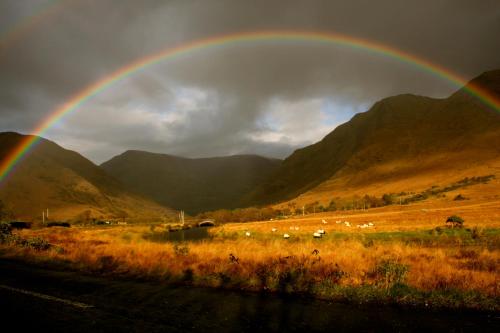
<point x="317" y="235"/>
<point x="324" y="222"/>
<point x="247" y="234"/>
<point x="286" y="236"/>
<point x="371" y="224"/>
<point x="274" y="229"/>
<point x="338" y="222"/>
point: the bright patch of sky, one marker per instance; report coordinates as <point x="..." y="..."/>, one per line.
<point x="304" y="121"/>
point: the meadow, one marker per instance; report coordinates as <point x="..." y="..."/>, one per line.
<point x="408" y="256"/>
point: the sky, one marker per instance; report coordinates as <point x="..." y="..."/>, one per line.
<point x="266" y="98"/>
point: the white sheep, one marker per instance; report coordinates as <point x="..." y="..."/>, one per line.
<point x="324" y="222"/>
<point x="296" y="228"/>
<point x="316" y="235"/>
<point x="247" y="233"/>
<point x="286" y="236"/>
<point x="274" y="229"/>
<point x="371" y="224"/>
<point x="321" y="231"/>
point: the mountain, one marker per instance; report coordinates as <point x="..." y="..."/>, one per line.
<point x="71" y="186"/>
<point x="194" y="185"/>
<point x="398" y="139"/>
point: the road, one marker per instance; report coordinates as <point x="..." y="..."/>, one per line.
<point x="36" y="298"/>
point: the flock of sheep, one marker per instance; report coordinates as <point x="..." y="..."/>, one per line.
<point x="320" y="232"/>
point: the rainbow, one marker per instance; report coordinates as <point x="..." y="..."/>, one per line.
<point x="30" y="22"/>
<point x="16" y="155"/>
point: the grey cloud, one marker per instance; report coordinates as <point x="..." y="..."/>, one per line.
<point x="86" y="40"/>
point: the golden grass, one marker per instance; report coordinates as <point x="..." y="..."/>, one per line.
<point x="347" y="257"/>
<point x="126" y="252"/>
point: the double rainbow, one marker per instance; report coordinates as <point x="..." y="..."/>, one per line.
<point x="15" y="156"/>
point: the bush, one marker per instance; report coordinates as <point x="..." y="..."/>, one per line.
<point x="387" y="199"/>
<point x="391" y="272"/>
<point x="459" y="197"/>
<point x="5" y="232"/>
<point x="455" y="221"/>
<point x="477" y="232"/>
<point x="5" y="229"/>
<point x="182" y="250"/>
<point x="38" y="244"/>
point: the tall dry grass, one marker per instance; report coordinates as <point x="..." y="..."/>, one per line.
<point x="263" y="262"/>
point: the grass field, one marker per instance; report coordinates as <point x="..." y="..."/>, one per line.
<point x="408" y="256"/>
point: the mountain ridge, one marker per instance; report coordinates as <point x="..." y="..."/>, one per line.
<point x="72" y="186"/>
<point x="404" y="126"/>
<point x="191" y="184"/>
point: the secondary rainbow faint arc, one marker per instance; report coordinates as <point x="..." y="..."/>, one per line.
<point x="27" y="24"/>
<point x="14" y="157"/>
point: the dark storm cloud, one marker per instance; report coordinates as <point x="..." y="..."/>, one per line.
<point x="266" y="98"/>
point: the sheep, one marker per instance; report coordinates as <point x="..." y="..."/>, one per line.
<point x="247" y="233"/>
<point x="274" y="229"/>
<point x="371" y="224"/>
<point x="286" y="236"/>
<point x="321" y="231"/>
<point x="338" y="222"/>
<point x="324" y="222"/>
<point x="296" y="228"/>
<point x="316" y="235"/>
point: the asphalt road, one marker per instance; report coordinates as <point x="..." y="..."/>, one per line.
<point x="34" y="298"/>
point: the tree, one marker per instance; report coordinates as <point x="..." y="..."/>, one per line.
<point x="387" y="199"/>
<point x="455" y="221"/>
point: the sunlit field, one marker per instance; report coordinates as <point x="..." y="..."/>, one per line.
<point x="396" y="254"/>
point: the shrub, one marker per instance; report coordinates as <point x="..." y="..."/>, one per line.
<point x="5" y="232"/>
<point x="391" y="272"/>
<point x="477" y="232"/>
<point x="181" y="250"/>
<point x="5" y="229"/>
<point x="38" y="244"/>
<point x="459" y="197"/>
<point x="455" y="221"/>
<point x="387" y="199"/>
